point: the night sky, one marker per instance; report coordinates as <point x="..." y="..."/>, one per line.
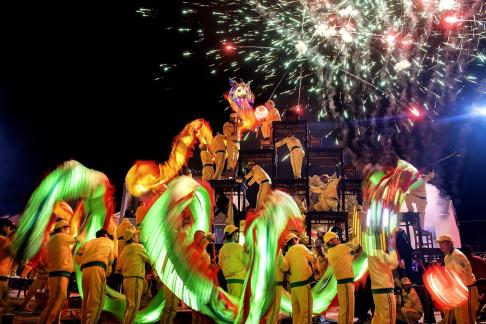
<point x="82" y="80"/>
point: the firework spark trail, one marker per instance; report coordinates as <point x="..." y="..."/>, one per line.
<point x="361" y="59"/>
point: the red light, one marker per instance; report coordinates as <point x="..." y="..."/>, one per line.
<point x="228" y="47"/>
<point x="451" y="19"/>
<point x="415" y="112"/>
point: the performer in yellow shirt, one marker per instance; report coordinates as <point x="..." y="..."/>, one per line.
<point x="41" y="277"/>
<point x="327" y="193"/>
<point x="171" y="305"/>
<point x="301" y="262"/>
<point x="120" y="233"/>
<point x="267" y="122"/>
<point x="340" y="258"/>
<point x="412" y="309"/>
<point x="59" y="266"/>
<point x="418" y="196"/>
<point x="132" y="265"/>
<point x="218" y="147"/>
<point x="296" y="153"/>
<point x="201" y="261"/>
<point x="258" y="175"/>
<point x="456" y="261"/>
<point x="207" y="163"/>
<point x="380" y="268"/>
<point x="95" y="258"/>
<point x="139" y="214"/>
<point x="232" y="133"/>
<point x="232" y="261"/>
<point x="62" y="211"/>
<point x="281" y="266"/>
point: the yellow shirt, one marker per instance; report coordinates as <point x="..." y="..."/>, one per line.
<point x="458" y="262"/>
<point x="100" y="249"/>
<point x="206" y="157"/>
<point x="218" y="144"/>
<point x="124" y="225"/>
<point x="59" y="254"/>
<point x="380" y="268"/>
<point x="273" y="115"/>
<point x="341" y="258"/>
<point x="300" y="261"/>
<point x="228" y="129"/>
<point x="328" y="190"/>
<point x="232" y="260"/>
<point x="290" y="141"/>
<point x="411" y="301"/>
<point x="5" y="256"/>
<point x="139" y="216"/>
<point x="257" y="174"/>
<point x="281" y="267"/>
<point x="132" y="260"/>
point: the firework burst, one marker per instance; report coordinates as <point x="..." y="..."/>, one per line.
<point x="363" y="59"/>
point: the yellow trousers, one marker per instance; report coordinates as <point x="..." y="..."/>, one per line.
<point x="233" y="155"/>
<point x="345" y="293"/>
<point x="234" y="289"/>
<point x="219" y="160"/>
<point x="296" y="159"/>
<point x="466" y="314"/>
<point x="326" y="204"/>
<point x="262" y="194"/>
<point x="133" y="288"/>
<point x="385" y="309"/>
<point x="171" y="305"/>
<point x="267" y="130"/>
<point x="207" y="173"/>
<point x="4" y="303"/>
<point x="409" y="316"/>
<point x="94" y="286"/>
<point x="58" y="287"/>
<point x="39" y="282"/>
<point x="301" y="298"/>
<point x="274" y="311"/>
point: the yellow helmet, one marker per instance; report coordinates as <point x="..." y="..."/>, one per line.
<point x="329" y="236"/>
<point x="444" y="238"/>
<point x="129" y="233"/>
<point x="290" y="236"/>
<point x="230" y="229"/>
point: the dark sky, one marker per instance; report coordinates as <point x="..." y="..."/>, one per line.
<point x="79" y="80"/>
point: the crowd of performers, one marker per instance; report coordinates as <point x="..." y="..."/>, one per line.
<point x="119" y="256"/>
<point x="300" y="262"/>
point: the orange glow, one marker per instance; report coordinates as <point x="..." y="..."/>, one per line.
<point x="445" y="287"/>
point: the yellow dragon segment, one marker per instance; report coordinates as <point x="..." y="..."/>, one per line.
<point x="145" y="176"/>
